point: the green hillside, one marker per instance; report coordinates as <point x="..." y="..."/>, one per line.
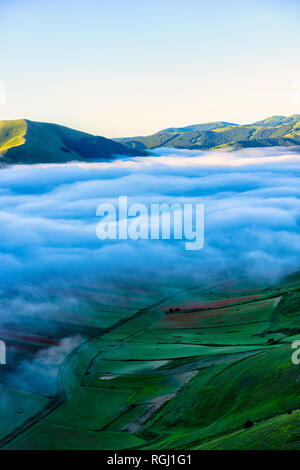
<point x="12" y="134"/>
<point x="273" y="131"/>
<point x="27" y="142"/>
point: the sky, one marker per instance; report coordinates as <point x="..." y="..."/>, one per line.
<point x="133" y="67"/>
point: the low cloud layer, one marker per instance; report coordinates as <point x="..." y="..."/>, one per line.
<point x="53" y="262"/>
<point x="48" y="216"/>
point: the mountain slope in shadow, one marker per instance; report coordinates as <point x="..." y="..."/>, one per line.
<point x="29" y="142"/>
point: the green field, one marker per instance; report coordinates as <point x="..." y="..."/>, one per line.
<point x="191" y="379"/>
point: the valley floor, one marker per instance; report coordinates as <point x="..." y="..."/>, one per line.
<point x="206" y="368"/>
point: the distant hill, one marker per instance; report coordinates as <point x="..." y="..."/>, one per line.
<point x="199" y="127"/>
<point x="273" y="131"/>
<point x="27" y="142"/>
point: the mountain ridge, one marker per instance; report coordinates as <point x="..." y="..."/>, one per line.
<point x="29" y="142"/>
<point x="272" y="131"/>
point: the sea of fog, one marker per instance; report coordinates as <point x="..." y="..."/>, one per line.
<point x="48" y="225"/>
<point x="252" y="213"/>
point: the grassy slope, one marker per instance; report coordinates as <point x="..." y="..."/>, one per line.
<point x="274" y="131"/>
<point x="254" y="388"/>
<point x="35" y="142"/>
<point x="279" y="433"/>
<point x="12" y="134"/>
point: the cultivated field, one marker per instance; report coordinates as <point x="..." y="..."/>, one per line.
<point x="205" y="368"/>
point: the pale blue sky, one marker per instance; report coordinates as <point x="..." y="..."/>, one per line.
<point x="132" y="67"/>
